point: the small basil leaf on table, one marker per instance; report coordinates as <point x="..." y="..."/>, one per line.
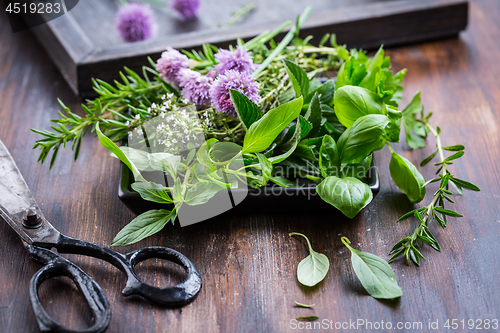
<point x="302" y="305"/>
<point x="353" y="102"/>
<point x="263" y="132"/>
<point x="374" y="273"/>
<point x="329" y="157"/>
<point x="143" y="226"/>
<point x="312" y="270"/>
<point x="349" y="195"/>
<point x="310" y="318"/>
<point x="361" y="139"/>
<point x="407" y="178"/>
<point x="152" y="192"/>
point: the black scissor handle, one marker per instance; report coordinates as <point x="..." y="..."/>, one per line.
<point x="177" y="295"/>
<point x="55" y="266"/>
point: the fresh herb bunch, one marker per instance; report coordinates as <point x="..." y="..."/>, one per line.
<point x="259" y="108"/>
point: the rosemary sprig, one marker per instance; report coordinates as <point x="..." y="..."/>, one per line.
<point x="435" y="211"/>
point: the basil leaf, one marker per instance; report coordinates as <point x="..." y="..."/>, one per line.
<point x="247" y="111"/>
<point x="362" y="138"/>
<point x="415" y="131"/>
<point x="143" y="226"/>
<point x="329" y="157"/>
<point x="165" y="162"/>
<point x="302" y="305"/>
<point x="298" y="77"/>
<point x="351" y="72"/>
<point x="290" y="147"/>
<point x="262" y="133"/>
<point x="283" y="182"/>
<point x="313" y="115"/>
<point x="407" y="178"/>
<point x="374" y="273"/>
<point x="152" y="192"/>
<point x="325" y="91"/>
<point x="267" y="168"/>
<point x="393" y="129"/>
<point x="312" y="270"/>
<point x="203" y="156"/>
<point x="112" y="147"/>
<point x="349" y="195"/>
<point x="353" y="102"/>
<point x="358" y="170"/>
<point x="305" y="152"/>
<point x="137" y="156"/>
<point x="201" y="192"/>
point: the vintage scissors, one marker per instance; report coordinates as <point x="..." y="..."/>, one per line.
<point x="19" y="209"/>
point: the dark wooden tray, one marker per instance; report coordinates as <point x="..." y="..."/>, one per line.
<point x="266" y="199"/>
<point x="84" y="45"/>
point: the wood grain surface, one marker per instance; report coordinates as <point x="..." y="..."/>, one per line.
<point x="248" y="262"/>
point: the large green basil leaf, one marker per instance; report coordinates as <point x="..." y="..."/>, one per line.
<point x="349" y="195"/>
<point x="351" y="103"/>
<point x="143" y="226"/>
<point x="366" y="135"/>
<point x="263" y="132"/>
<point x="152" y="192"/>
<point x="298" y="77"/>
<point x="247" y="111"/>
<point x="407" y="178"/>
<point x="374" y="273"/>
<point x="329" y="157"/>
<point x="312" y="269"/>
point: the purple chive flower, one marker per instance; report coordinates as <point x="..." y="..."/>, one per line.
<point x="170" y="63"/>
<point x="231" y="79"/>
<point x="187" y="9"/>
<point x="135" y="22"/>
<point x="196" y="87"/>
<point x="240" y="60"/>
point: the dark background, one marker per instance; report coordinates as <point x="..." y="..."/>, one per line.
<point x="248" y="262"/>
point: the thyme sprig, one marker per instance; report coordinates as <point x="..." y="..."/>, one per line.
<point x="435" y="211"/>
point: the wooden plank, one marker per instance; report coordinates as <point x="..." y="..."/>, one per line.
<point x="83" y="52"/>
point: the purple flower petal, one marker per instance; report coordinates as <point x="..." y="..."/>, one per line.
<point x="239" y="60"/>
<point x="187" y="9"/>
<point x="170" y="63"/>
<point x="135" y="22"/>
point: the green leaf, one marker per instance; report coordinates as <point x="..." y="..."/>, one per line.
<point x="247" y="111"/>
<point x="143" y="226"/>
<point x="360" y="140"/>
<point x="152" y="192"/>
<point x="448" y="212"/>
<point x="112" y="147"/>
<point x="290" y="147"/>
<point x="374" y="273"/>
<point x="428" y="158"/>
<point x="137" y="156"/>
<point x="351" y="72"/>
<point x="201" y="192"/>
<point x="312" y="270"/>
<point x="414" y="130"/>
<point x="313" y="115"/>
<point x="353" y="102"/>
<point x="302" y="305"/>
<point x="455" y="148"/>
<point x="309" y="318"/>
<point x="266" y="167"/>
<point x="358" y="170"/>
<point x="407" y="178"/>
<point x="165" y="162"/>
<point x="298" y="77"/>
<point x="326" y="91"/>
<point x="454" y="156"/>
<point x="262" y="133"/>
<point x="349" y="195"/>
<point x="329" y="157"/>
<point x="465" y="184"/>
<point x="283" y="182"/>
<point x="393" y="129"/>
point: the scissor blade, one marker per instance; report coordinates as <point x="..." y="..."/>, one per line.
<point x="16" y="198"/>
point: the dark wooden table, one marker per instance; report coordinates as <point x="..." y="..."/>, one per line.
<point x="248" y="263"/>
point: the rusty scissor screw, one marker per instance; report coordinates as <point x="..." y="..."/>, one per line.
<point x="32" y="219"/>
